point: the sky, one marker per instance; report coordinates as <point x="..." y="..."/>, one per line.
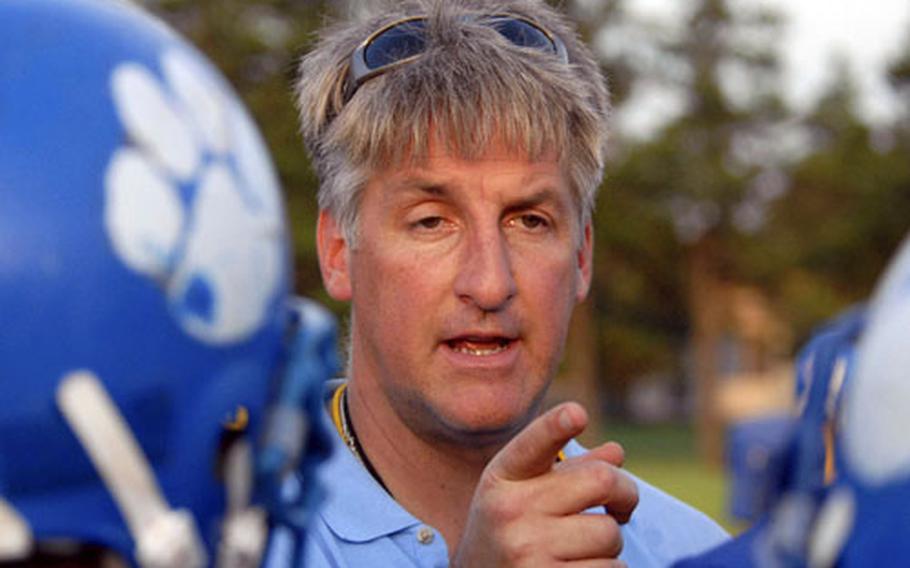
<point x="867" y="32"/>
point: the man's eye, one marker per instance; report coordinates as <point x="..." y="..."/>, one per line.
<point x="429" y="223"/>
<point x="533" y="222"/>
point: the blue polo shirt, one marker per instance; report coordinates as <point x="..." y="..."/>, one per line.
<point x="359" y="524"/>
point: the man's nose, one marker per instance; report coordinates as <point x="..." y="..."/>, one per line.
<point x="485" y="276"/>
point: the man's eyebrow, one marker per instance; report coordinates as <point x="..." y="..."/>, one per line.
<point x="422" y="185"/>
<point x="545" y="195"/>
<point x="417" y="184"/>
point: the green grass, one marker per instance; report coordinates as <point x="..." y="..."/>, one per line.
<point x="665" y="456"/>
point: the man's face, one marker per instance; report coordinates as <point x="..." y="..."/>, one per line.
<point x="462" y="284"/>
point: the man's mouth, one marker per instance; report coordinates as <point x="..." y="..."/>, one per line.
<point x="479" y="346"/>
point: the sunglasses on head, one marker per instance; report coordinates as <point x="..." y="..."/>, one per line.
<point x="405" y="40"/>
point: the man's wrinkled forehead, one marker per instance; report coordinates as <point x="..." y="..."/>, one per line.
<point x="445" y="177"/>
<point x="445" y="150"/>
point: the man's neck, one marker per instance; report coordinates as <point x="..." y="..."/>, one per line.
<point x="434" y="481"/>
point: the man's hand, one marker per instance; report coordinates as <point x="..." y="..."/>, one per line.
<point x="528" y="510"/>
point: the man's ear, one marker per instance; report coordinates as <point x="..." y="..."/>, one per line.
<point x="584" y="259"/>
<point x="333" y="257"/>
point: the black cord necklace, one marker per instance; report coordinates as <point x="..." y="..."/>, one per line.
<point x="345" y="429"/>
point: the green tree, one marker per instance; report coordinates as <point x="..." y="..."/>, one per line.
<point x="675" y="212"/>
<point x="829" y="238"/>
<point x="899" y="78"/>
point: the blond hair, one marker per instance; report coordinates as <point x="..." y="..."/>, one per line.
<point x="470" y="88"/>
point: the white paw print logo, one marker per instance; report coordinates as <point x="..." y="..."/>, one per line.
<point x="192" y="201"/>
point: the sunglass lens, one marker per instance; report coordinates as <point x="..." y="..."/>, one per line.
<point x="396" y="43"/>
<point x="523" y="34"/>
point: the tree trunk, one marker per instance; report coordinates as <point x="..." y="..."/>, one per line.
<point x="579" y="378"/>
<point x="706" y="310"/>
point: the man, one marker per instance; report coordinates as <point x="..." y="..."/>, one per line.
<point x="459" y="146"/>
<point x="157" y="382"/>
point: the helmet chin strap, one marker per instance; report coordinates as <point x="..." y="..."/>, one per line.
<point x="15" y="535"/>
<point x="164" y="537"/>
<point x="244" y="531"/>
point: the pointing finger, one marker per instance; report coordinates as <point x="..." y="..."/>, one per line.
<point x="533" y="451"/>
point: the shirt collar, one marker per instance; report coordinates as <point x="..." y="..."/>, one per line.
<point x="356" y="507"/>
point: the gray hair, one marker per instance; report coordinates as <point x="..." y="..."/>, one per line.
<point x="471" y="87"/>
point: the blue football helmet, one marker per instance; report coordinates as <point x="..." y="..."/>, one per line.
<point x="156" y="377"/>
<point x="865" y="518"/>
<point x="855" y="373"/>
